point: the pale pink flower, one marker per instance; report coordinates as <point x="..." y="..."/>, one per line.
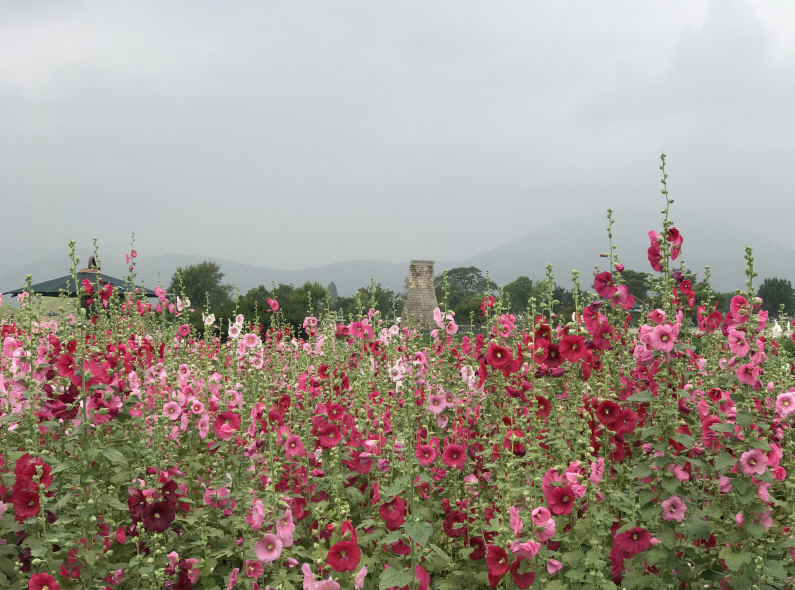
<point x="437" y="403"/>
<point x="762" y="490"/>
<point x="553" y="566"/>
<point x="268" y="549"/>
<point x="673" y="509"/>
<point x="541" y="515"/>
<point x="3" y="508"/>
<point x="785" y="403"/>
<point x="257" y="515"/>
<point x="597" y="471"/>
<point x="657" y="316"/>
<point x="250" y="340"/>
<point x="451" y="328"/>
<point x="233" y="331"/>
<point x="309" y="577"/>
<point x="358" y="581"/>
<point x="529" y="549"/>
<point x="753" y="462"/>
<point x="747" y="374"/>
<point x="326" y="585"/>
<point x="739" y="518"/>
<point x="204" y="425"/>
<point x="172" y="410"/>
<point x="725" y="485"/>
<point x="196" y="407"/>
<point x="285" y="528"/>
<point x="516" y="522"/>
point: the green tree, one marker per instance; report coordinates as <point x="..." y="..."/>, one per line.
<point x="637" y="283"/>
<point x="776" y="292"/>
<point x="519" y="292"/>
<point x="202" y="283"/>
<point x="468" y="279"/>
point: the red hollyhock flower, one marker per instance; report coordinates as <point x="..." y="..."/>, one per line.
<point x="544" y="407"/>
<point x="158" y="516"/>
<point x="633" y="541"/>
<point x="66" y="365"/>
<point x="553" y="358"/>
<point x="498" y="356"/>
<point x="26" y="475"/>
<point x="43" y="582"/>
<point x="603" y="283"/>
<point x="226" y="418"/>
<point x="454" y="456"/>
<point x="26" y="504"/>
<point x="328" y="434"/>
<point x="451" y="524"/>
<point x="344" y="556"/>
<point x="571" y="347"/>
<point x="522" y="580"/>
<point x="479" y="546"/>
<point x="393" y="513"/>
<point x="426" y="454"/>
<point x="497" y="561"/>
<point x="608" y="412"/>
<point x="560" y="500"/>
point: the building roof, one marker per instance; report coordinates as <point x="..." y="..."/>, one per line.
<point x="54" y="287"/>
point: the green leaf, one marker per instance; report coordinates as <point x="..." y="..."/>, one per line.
<point x="734" y="561"/>
<point x="756" y="529"/>
<point x="393" y="577"/>
<point x="114" y="503"/>
<point x="392" y="537"/>
<point x="744" y="419"/>
<point x="641" y="396"/>
<point x="114" y="455"/>
<point x="725" y="427"/>
<point x="396" y="488"/>
<point x="440" y="552"/>
<point x="697" y="528"/>
<point x="724" y="461"/>
<point x="419" y="532"/>
<point x="761" y="444"/>
<point x="642" y="471"/>
<point x="775" y="569"/>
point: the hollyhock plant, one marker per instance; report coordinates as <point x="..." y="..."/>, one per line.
<point x="635" y="540"/>
<point x="268" y="548"/>
<point x="344" y="556"/>
<point x="43" y="581"/>
<point x="603" y="284"/>
<point x="673" y="509"/>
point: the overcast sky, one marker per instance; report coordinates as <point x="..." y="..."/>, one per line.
<point x="295" y="134"/>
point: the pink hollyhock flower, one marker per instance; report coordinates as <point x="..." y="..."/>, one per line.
<point x="762" y="490"/>
<point x="454" y="456"/>
<point x="597" y="471"/>
<point x="358" y="581"/>
<point x="541" y="515"/>
<point x="676" y="242"/>
<point x="309" y="577"/>
<point x="657" y="316"/>
<point x="753" y="462"/>
<point x="425" y="454"/>
<point x="268" y="549"/>
<point x="603" y="284"/>
<point x="737" y="343"/>
<point x="257" y="515"/>
<point x="516" y="522"/>
<point x="663" y="338"/>
<point x="326" y="585"/>
<point x="172" y="410"/>
<point x="673" y="509"/>
<point x="356" y="329"/>
<point x="748" y="374"/>
<point x="546" y="530"/>
<point x="232" y="579"/>
<point x="740" y="309"/>
<point x="294" y="447"/>
<point x="285" y="527"/>
<point x="623" y="298"/>
<point x="725" y="485"/>
<point x="437" y="403"/>
<point x="553" y="566"/>
<point x="785" y="404"/>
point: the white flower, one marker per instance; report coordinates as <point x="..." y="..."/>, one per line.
<point x="239" y="320"/>
<point x="209" y="320"/>
<point x="234" y="330"/>
<point x="776" y="330"/>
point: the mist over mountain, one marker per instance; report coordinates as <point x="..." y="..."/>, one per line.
<point x="574" y="243"/>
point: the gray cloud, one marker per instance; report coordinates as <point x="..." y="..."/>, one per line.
<point x="298" y="134"/>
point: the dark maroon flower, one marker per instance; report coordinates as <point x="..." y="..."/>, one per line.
<point x="158" y="516"/>
<point x="453" y="524"/>
<point x="479" y="546"/>
<point x="608" y="412"/>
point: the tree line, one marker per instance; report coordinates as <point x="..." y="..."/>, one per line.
<point x="462" y="290"/>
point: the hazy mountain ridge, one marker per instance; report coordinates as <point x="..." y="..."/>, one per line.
<point x="575" y="242"/>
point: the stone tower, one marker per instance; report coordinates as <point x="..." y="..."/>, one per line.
<point x="421" y="296"/>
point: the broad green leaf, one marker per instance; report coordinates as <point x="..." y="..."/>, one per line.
<point x="393" y="577"/>
<point x="419" y="532"/>
<point x="396" y="488"/>
<point x="114" y="455"/>
<point x="641" y="396"/>
<point x="697" y="528"/>
<point x="724" y="461"/>
<point x="734" y="561"/>
<point x="775" y="569"/>
<point x="114" y="503"/>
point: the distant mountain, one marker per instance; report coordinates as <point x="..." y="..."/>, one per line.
<point x="575" y="242"/>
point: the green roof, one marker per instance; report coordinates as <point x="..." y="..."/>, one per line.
<point x="54" y="287"/>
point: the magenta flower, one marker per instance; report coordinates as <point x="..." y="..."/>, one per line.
<point x="516" y="522"/>
<point x="748" y="373"/>
<point x="268" y="549"/>
<point x="553" y="566"/>
<point x="603" y="284"/>
<point x="436" y="403"/>
<point x="541" y="515"/>
<point x="254" y="568"/>
<point x="673" y="509"/>
<point x="725" y="485"/>
<point x="172" y="410"/>
<point x="753" y="462"/>
<point x="737" y="343"/>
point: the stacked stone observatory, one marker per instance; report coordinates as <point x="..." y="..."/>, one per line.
<point x="420" y="297"/>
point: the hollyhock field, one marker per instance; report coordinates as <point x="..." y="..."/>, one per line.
<point x="603" y="450"/>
